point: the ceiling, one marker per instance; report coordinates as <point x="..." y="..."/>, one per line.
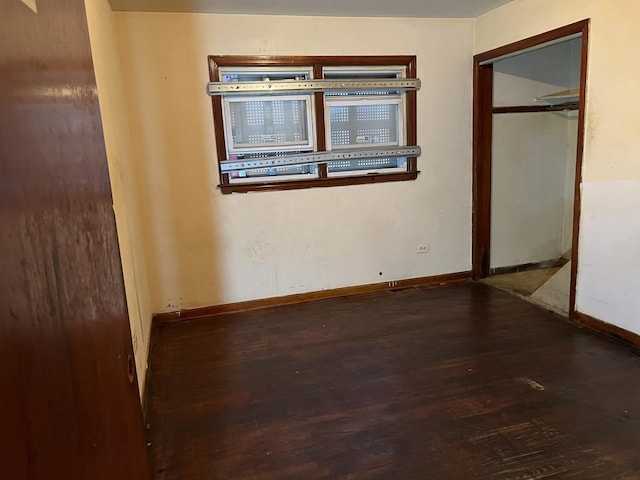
<point x="337" y="8"/>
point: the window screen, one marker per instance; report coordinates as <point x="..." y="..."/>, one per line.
<point x="363" y="121"/>
<point x="259" y="124"/>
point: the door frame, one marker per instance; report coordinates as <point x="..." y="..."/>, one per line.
<point x="482" y="139"/>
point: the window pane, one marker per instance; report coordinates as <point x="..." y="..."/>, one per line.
<point x="359" y="124"/>
<point x="268" y="123"/>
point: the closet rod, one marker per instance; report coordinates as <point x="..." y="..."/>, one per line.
<point x="536" y="108"/>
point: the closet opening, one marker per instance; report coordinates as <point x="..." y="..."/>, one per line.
<point x="529" y="99"/>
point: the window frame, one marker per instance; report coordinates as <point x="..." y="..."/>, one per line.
<point x="317" y="63"/>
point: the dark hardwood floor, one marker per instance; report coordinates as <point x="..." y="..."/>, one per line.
<point x="458" y="382"/>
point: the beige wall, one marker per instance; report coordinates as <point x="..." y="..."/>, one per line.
<point x="609" y="262"/>
<point x="205" y="248"/>
<point x="120" y="159"/>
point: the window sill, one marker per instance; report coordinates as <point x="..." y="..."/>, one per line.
<point x="315" y="183"/>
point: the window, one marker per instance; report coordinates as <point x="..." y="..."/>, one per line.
<point x="277" y="128"/>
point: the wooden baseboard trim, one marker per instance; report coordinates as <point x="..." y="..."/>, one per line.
<point x="147" y="378"/>
<point x="613" y="332"/>
<point x="556" y="262"/>
<point x="190" y="314"/>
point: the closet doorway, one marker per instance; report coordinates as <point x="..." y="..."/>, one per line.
<point x="528" y="144"/>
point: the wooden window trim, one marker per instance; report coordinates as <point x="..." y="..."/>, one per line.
<point x="317" y="62"/>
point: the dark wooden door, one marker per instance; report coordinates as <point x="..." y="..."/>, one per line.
<point x="68" y="409"/>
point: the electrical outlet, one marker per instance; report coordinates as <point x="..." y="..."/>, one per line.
<point x="422" y="248"/>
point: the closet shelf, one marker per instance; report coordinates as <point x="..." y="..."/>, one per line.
<point x="558" y="98"/>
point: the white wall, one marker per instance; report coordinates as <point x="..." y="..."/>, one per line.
<point x="572" y="148"/>
<point x="609" y="259"/>
<point x="120" y="159"/>
<point x="205" y="248"/>
<point x="510" y="90"/>
<point x="570" y="180"/>
<point x="529" y="164"/>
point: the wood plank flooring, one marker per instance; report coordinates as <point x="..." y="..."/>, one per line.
<point x="457" y="382"/>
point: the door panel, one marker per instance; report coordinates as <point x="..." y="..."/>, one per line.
<point x="67" y="407"/>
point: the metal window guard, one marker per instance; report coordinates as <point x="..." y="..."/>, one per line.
<point x="315" y="85"/>
<point x="319" y="157"/>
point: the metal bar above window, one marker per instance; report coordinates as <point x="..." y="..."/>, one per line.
<point x="319" y="157"/>
<point x="316" y="85"/>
